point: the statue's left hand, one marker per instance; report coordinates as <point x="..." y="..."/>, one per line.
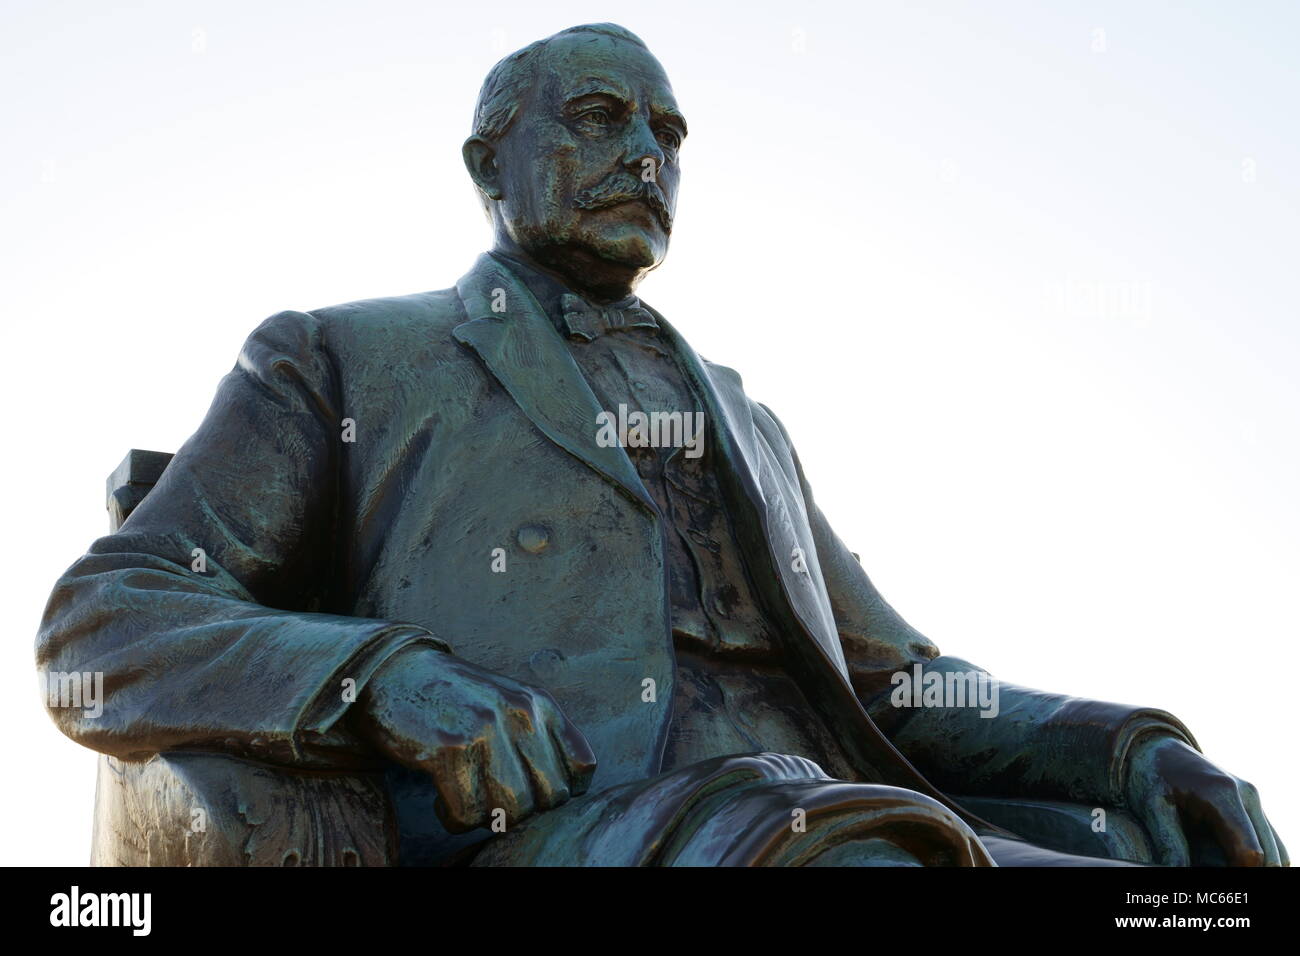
<point x="1175" y="792"/>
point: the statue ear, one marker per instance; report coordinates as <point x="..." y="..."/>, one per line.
<point x="481" y="161"/>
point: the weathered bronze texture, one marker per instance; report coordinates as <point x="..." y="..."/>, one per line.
<point x="507" y="574"/>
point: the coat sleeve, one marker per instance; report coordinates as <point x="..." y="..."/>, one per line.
<point x="199" y="617"/>
<point x="1039" y="744"/>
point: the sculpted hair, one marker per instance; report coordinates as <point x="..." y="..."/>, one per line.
<point x="508" y="82"/>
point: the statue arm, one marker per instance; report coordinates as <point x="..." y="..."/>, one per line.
<point x="200" y="612"/>
<point x="1039" y="744"/>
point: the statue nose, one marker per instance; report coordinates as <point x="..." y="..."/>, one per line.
<point x="644" y="146"/>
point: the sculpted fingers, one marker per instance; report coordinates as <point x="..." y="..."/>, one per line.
<point x="526" y="773"/>
<point x="494" y="747"/>
<point x="507" y="782"/>
<point x="575" y="754"/>
<point x="457" y="772"/>
<point x="533" y="723"/>
<point x="1215" y="803"/>
<point x="1181" y="794"/>
<point x="545" y="766"/>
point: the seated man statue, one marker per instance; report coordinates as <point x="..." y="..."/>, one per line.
<point x="516" y="542"/>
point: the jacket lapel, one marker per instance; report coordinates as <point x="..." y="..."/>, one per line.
<point x="523" y="350"/>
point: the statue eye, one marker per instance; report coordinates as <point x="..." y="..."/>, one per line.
<point x="596" y="117"/>
<point x="668" y="139"/>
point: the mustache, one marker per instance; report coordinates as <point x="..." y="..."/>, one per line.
<point x="623" y="187"/>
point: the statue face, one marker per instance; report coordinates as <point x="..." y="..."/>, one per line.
<point x="588" y="170"/>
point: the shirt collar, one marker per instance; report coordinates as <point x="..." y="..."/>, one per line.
<point x="546" y="289"/>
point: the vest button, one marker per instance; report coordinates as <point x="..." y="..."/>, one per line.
<point x="533" y="538"/>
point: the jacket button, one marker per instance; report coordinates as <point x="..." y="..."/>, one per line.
<point x="546" y="661"/>
<point x="533" y="538"/>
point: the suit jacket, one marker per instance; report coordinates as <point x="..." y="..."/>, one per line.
<point x="472" y="430"/>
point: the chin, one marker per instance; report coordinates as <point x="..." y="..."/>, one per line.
<point x="632" y="247"/>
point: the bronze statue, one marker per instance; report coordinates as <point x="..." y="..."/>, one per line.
<point x="507" y="574"/>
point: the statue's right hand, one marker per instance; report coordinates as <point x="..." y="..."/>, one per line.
<point x="487" y="741"/>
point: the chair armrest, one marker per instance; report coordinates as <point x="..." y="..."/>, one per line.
<point x="131" y="481"/>
<point x="194" y="809"/>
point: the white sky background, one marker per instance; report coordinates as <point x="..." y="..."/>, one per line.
<point x="1028" y="309"/>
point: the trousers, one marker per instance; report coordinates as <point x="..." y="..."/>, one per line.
<point x="760" y="810"/>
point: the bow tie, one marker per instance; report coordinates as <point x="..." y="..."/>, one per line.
<point x="586" y="321"/>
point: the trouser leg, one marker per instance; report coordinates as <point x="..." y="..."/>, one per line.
<point x="748" y="810"/>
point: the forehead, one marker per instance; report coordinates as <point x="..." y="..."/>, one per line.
<point x="580" y="64"/>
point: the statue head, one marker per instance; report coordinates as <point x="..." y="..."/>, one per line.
<point x="574" y="153"/>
